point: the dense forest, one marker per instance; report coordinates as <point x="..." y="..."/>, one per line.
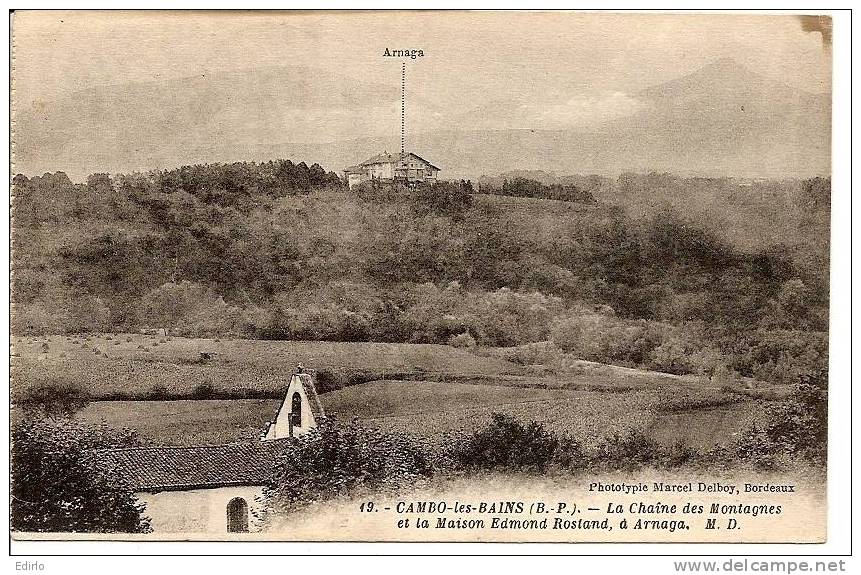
<point x="685" y="275"/>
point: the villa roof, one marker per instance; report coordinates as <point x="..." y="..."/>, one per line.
<point x="425" y="161"/>
<point x="196" y="467"/>
<point x="392" y="158"/>
<point x="381" y="159"/>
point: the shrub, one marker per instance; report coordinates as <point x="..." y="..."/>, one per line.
<point x="724" y="376"/>
<point x="443" y="198"/>
<point x="569" y="453"/>
<point x="203" y="391"/>
<point x="57" y="485"/>
<point x="627" y="450"/>
<point x="678" y="455"/>
<point x="795" y="427"/>
<point x="544" y="352"/>
<point x="329" y="380"/>
<point x="609" y="339"/>
<point x="53" y="399"/>
<point x="682" y="398"/>
<point x="463" y="340"/>
<point x="335" y="459"/>
<point x="159" y="393"/>
<point x="508" y="444"/>
<point x="332" y="379"/>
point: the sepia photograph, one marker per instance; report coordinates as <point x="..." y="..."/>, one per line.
<point x="420" y="276"/>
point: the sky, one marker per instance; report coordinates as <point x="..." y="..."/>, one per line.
<point x="117" y="91"/>
<point x="556" y="68"/>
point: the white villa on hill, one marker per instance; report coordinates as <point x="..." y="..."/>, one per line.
<point x="212" y="489"/>
<point x="405" y="167"/>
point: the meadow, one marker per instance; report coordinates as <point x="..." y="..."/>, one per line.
<point x="430" y="411"/>
<point x="423" y="390"/>
<point x="130" y="366"/>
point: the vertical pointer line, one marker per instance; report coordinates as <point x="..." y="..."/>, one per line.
<point x="403" y="102"/>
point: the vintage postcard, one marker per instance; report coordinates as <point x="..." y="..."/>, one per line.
<point x="437" y="276"/>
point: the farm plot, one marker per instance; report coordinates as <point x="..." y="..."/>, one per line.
<point x="185" y="422"/>
<point x="123" y="366"/>
<point x="395" y="398"/>
<point x="430" y="410"/>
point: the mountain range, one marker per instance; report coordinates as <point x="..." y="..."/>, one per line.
<point x="720" y="120"/>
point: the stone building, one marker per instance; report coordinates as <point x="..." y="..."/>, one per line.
<point x="406" y="167"/>
<point x="213" y="489"/>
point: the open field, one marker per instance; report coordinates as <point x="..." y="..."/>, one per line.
<point x="422" y="390"/>
<point x="131" y="365"/>
<point x="186" y="422"/>
<point x="380" y="399"/>
<point x="430" y="410"/>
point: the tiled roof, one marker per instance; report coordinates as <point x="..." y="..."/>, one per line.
<point x="425" y="161"/>
<point x="354" y="170"/>
<point x="381" y="159"/>
<point x="172" y="468"/>
<point x="392" y="159"/>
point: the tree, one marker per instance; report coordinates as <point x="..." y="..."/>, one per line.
<point x="57" y="485"/>
<point x="187" y="306"/>
<point x="508" y="444"/>
<point x="816" y="193"/>
<point x="451" y="199"/>
<point x="335" y="459"/>
<point x="795" y="427"/>
<point x="54" y="399"/>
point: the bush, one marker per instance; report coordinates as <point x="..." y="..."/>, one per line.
<point x="450" y="199"/>
<point x="336" y="459"/>
<point x="795" y="427"/>
<point x="332" y="379"/>
<point x="724" y="377"/>
<point x="508" y="444"/>
<point x="524" y="187"/>
<point x="678" y="455"/>
<point x="608" y="339"/>
<point x="204" y="391"/>
<point x="683" y="398"/>
<point x="627" y="450"/>
<point x="463" y="340"/>
<point x="159" y="393"/>
<point x="499" y="318"/>
<point x="53" y="399"/>
<point x="188" y="308"/>
<point x="58" y="487"/>
<point x="544" y="353"/>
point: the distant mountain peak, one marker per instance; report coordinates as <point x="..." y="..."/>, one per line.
<point x="724" y="75"/>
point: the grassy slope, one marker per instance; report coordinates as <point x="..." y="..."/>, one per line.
<point x="133" y="364"/>
<point x="189" y="422"/>
<point x="134" y="367"/>
<point x="453" y="390"/>
<point x="429" y="410"/>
